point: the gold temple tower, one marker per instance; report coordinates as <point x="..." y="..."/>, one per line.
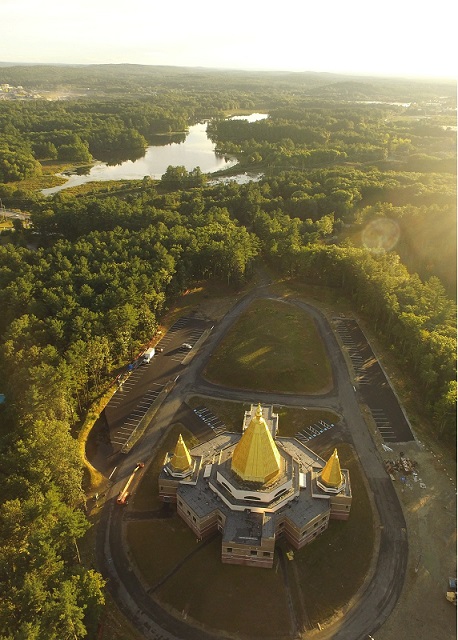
<point x="331" y="476"/>
<point x="256" y="457"/>
<point x="181" y="460"/>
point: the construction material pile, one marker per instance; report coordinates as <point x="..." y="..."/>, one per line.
<point x="405" y="468"/>
<point x="401" y="465"/>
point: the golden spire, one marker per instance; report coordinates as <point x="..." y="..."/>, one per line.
<point x="331" y="475"/>
<point x="256" y="457"/>
<point x="181" y="460"/>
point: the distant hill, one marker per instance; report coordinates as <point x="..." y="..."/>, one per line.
<point x="350" y="88"/>
<point x="129" y="78"/>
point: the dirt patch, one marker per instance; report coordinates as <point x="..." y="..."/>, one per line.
<point x="430" y="513"/>
<point x="207" y="301"/>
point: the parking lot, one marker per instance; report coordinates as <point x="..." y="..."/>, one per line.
<point x="139" y="387"/>
<point x="209" y="418"/>
<point x="372" y="383"/>
<point x="313" y="430"/>
<point x="122" y="435"/>
<point x="189" y="332"/>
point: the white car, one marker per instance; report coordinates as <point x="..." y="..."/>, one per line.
<point x="186" y="345"/>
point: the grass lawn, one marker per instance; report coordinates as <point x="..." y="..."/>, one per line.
<point x="247" y="600"/>
<point x="328" y="299"/>
<point x="272" y="347"/>
<point x="333" y="567"/>
<point x="158" y="546"/>
<point x="230" y="413"/>
<point x="292" y="420"/>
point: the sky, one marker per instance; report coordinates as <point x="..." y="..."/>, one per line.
<point x="390" y="38"/>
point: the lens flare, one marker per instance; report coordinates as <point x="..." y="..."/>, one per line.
<point x="381" y="235"/>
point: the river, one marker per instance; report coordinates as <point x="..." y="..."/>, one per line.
<point x="197" y="150"/>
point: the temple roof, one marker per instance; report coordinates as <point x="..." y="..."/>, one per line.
<point x="181" y="460"/>
<point x="331" y="475"/>
<point x="256" y="457"/>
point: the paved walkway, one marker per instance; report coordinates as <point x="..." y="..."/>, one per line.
<point x="373" y="604"/>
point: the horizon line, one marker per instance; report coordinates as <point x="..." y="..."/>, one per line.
<point x="366" y="74"/>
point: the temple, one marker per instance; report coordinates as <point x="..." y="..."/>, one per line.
<point x="254" y="488"/>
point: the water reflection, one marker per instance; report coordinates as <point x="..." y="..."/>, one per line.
<point x="190" y="150"/>
<point x="115" y="158"/>
<point x="163" y="139"/>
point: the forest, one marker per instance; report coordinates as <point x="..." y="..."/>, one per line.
<point x="358" y="194"/>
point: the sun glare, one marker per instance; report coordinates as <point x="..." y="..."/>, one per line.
<point x="393" y="38"/>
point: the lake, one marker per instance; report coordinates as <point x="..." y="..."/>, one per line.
<point x="197" y="150"/>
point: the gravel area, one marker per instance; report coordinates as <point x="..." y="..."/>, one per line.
<point x="422" y="611"/>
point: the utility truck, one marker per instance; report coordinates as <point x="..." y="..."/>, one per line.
<point x="148" y="355"/>
<point x="124" y="494"/>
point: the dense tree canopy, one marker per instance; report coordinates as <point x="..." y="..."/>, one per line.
<point x="358" y="193"/>
<point x="16" y="160"/>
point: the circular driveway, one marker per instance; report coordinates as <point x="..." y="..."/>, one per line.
<point x="373" y="603"/>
